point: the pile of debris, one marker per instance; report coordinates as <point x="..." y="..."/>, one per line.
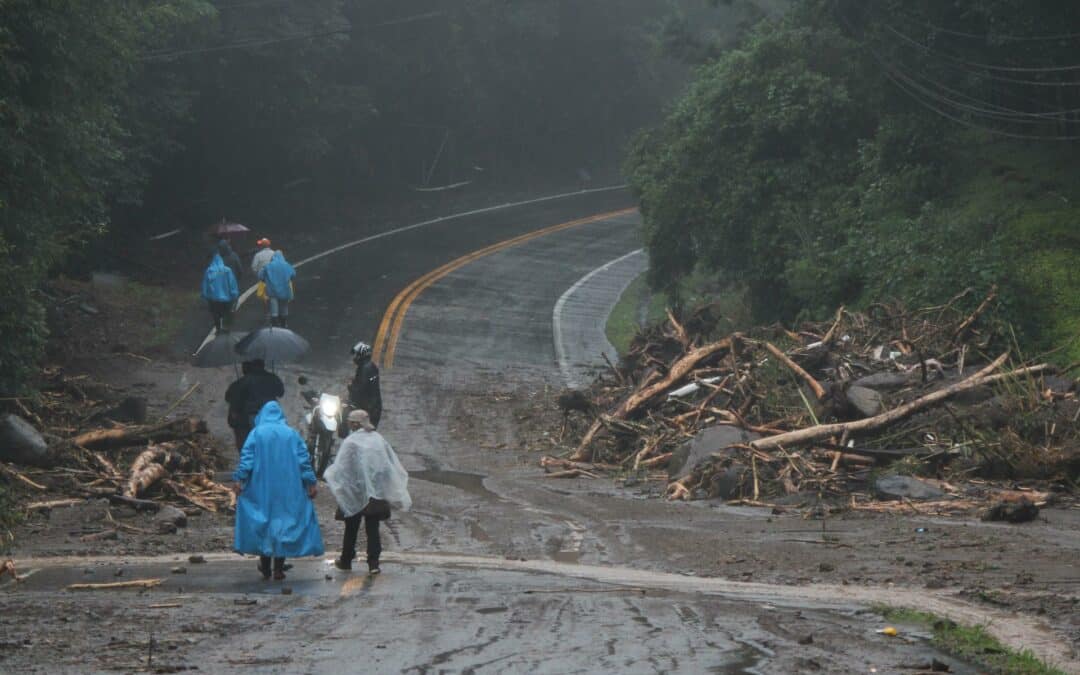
<point x="779" y="415"/>
<point x="91" y="446"/>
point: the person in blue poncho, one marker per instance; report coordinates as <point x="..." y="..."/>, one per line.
<point x="220" y="290"/>
<point x="274" y="484"/>
<point x="278" y="276"/>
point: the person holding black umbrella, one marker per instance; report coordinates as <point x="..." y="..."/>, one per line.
<point x="248" y="394"/>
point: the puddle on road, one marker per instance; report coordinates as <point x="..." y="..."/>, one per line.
<point x="473" y="483"/>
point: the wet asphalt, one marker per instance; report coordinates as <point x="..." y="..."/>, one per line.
<point x="486" y="326"/>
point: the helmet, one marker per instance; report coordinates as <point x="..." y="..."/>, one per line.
<point x="361" y="351"/>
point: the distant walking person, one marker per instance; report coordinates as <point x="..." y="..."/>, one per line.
<point x="232" y="261"/>
<point x="275" y="486"/>
<point x="220" y="291"/>
<point x="248" y="394"/>
<point x="278" y="276"/>
<point x="366" y="480"/>
<point x="364" y="390"/>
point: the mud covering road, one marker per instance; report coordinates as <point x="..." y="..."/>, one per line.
<point x="497" y="569"/>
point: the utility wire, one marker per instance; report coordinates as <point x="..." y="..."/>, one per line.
<point x="974" y="64"/>
<point x="992" y="36"/>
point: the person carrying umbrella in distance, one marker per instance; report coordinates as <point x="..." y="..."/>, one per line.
<point x="366" y="480"/>
<point x="278" y="276"/>
<point x="231" y="259"/>
<point x="275" y="486"/>
<point x="220" y="290"/>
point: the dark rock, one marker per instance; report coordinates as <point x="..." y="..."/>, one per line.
<point x="196" y="559"/>
<point x="179" y="570"/>
<point x="885" y="381"/>
<point x="728" y="484"/>
<point x="713" y="439"/>
<point x="905" y="487"/>
<point x="1022" y="511"/>
<point x="21" y="443"/>
<point x="826" y="567"/>
<point x="1059" y="385"/>
<point x="132" y="409"/>
<point x="806" y="640"/>
<point x="170" y="515"/>
<point x="866" y="401"/>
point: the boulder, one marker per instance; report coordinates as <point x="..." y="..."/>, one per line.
<point x="905" y="487"/>
<point x="885" y="381"/>
<point x="728" y="484"/>
<point x="701" y="447"/>
<point x="864" y="400"/>
<point x="169" y="518"/>
<point x="21" y="443"/>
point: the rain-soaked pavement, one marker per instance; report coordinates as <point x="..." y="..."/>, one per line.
<point x="494" y="569"/>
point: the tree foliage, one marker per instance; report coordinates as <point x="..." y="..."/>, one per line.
<point x="850" y="151"/>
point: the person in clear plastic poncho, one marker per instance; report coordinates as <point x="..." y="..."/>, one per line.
<point x="367" y="480"/>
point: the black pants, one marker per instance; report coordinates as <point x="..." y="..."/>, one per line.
<point x="264" y="564"/>
<point x="374" y="544"/>
<point x="220" y="311"/>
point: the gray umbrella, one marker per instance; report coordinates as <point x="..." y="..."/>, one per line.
<point x="221" y="351"/>
<point x="272" y="344"/>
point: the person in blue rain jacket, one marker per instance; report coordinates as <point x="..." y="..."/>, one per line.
<point x="278" y="276"/>
<point x="275" y="485"/>
<point x="220" y="291"/>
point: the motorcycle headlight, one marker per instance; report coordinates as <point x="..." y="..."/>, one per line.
<point x="330" y="406"/>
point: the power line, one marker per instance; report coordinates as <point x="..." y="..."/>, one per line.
<point x="974" y="64"/>
<point x="992" y="36"/>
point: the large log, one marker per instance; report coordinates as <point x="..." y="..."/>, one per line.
<point x="140" y="435"/>
<point x="632" y="403"/>
<point x="823" y="431"/>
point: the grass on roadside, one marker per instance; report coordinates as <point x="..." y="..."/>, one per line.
<point x="152" y="315"/>
<point x="639" y="305"/>
<point x="972" y="644"/>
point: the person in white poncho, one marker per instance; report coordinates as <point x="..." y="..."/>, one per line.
<point x="367" y="480"/>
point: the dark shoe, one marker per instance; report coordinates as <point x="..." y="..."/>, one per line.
<point x="279" y="575"/>
<point x="264" y="570"/>
<point x="342" y="564"/>
<point x="286" y="567"/>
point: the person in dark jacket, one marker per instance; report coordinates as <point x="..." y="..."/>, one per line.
<point x="248" y="394"/>
<point x="364" y="391"/>
<point x="230" y="258"/>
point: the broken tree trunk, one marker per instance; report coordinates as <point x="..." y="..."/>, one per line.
<point x="679" y="370"/>
<point x="815" y="386"/>
<point x="823" y="431"/>
<point x="140" y="435"/>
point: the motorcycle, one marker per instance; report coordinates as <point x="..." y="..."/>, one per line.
<point x="322" y="422"/>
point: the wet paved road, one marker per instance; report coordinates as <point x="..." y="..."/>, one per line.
<point x="484" y="328"/>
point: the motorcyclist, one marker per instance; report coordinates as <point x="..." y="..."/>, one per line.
<point x="364" y="392"/>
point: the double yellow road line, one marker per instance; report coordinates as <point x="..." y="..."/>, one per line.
<point x="390" y="326"/>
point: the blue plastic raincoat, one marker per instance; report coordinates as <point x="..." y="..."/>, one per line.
<point x="278" y="275"/>
<point x="219" y="282"/>
<point x="274" y="515"/>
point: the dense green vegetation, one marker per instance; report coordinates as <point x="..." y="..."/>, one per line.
<point x="972" y="644"/>
<point x="127" y="118"/>
<point x="849" y="152"/>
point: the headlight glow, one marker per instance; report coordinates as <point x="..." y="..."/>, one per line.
<point x="330" y="405"/>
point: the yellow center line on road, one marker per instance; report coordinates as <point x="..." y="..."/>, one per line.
<point x="390" y="327"/>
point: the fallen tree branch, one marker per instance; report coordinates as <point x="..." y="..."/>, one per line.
<point x="815" y="386"/>
<point x="639" y="398"/>
<point x="823" y="431"/>
<point x="140" y="435"/>
<point x="134" y="583"/>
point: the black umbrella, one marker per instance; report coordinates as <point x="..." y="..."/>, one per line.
<point x="272" y="344"/>
<point x="221" y="351"/>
